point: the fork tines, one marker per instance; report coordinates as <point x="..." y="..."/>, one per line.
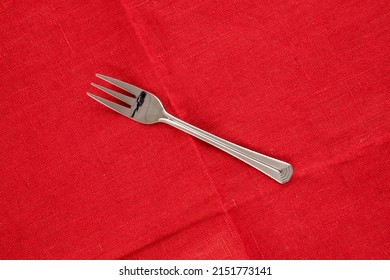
<point x="126" y="99"/>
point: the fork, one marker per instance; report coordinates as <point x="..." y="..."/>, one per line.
<point x="146" y="108"/>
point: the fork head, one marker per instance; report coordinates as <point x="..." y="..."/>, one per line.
<point x="144" y="107"/>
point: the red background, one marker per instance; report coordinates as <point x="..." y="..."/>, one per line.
<point x="306" y="82"/>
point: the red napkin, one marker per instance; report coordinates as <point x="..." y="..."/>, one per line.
<point x="306" y="82"/>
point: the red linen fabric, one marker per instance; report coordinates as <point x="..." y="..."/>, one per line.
<point x="306" y="82"/>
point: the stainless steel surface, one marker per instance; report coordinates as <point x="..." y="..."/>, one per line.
<point x="147" y="109"/>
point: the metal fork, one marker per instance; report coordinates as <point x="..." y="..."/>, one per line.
<point x="147" y="109"/>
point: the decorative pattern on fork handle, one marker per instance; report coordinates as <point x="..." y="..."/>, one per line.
<point x="276" y="169"/>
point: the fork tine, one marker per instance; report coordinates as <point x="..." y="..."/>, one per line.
<point x="120" y="96"/>
<point x="112" y="105"/>
<point x="125" y="86"/>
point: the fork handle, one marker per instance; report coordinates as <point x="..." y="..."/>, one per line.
<point x="276" y="169"/>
